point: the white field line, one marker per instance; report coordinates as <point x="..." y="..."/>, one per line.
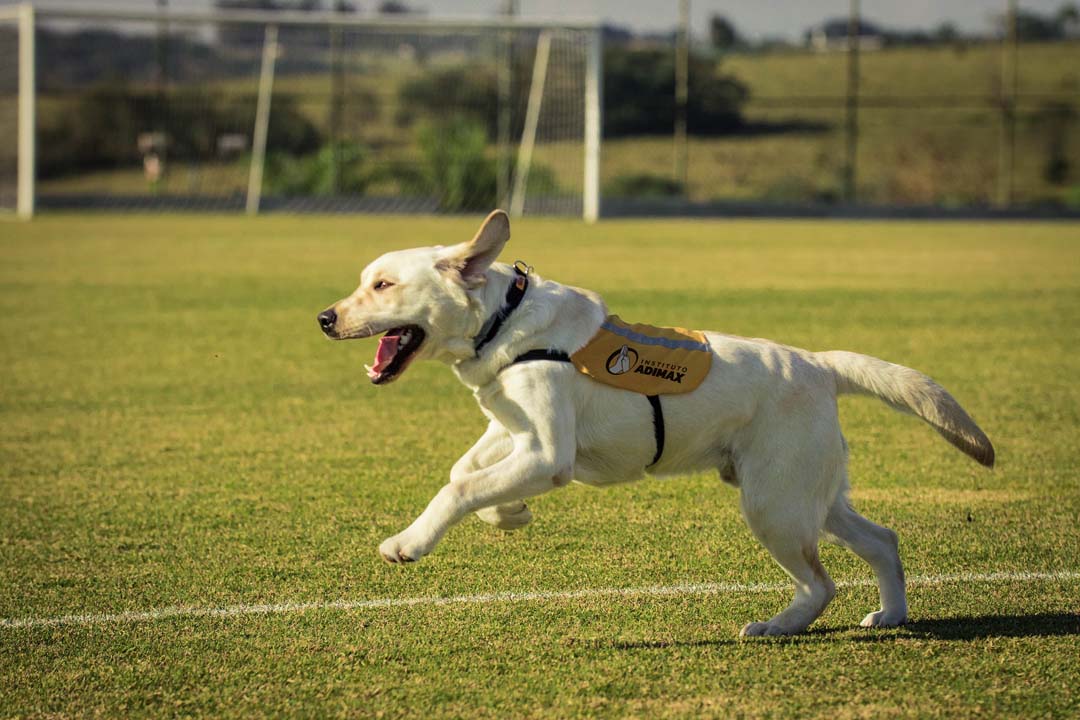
<point x="230" y="611"/>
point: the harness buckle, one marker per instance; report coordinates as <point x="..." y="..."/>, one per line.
<point x="523" y="267"/>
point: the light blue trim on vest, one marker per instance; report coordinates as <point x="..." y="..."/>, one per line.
<point x="662" y="342"/>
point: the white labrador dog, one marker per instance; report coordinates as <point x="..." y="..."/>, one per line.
<point x="765" y="417"/>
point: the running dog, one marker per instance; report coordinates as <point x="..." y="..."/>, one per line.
<point x="765" y="415"/>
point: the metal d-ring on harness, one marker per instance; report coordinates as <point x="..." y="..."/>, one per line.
<point x="514" y="295"/>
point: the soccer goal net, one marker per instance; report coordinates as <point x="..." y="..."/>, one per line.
<point x="305" y="111"/>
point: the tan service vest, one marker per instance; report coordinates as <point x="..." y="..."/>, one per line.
<point x="645" y="359"/>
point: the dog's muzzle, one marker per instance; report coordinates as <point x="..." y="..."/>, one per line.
<point x="327" y="320"/>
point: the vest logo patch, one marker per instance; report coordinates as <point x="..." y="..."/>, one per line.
<point x="645" y="359"/>
<point x="620" y="361"/>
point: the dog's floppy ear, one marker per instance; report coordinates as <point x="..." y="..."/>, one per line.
<point x="471" y="259"/>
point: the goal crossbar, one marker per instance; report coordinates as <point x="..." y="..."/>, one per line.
<point x="321" y="18"/>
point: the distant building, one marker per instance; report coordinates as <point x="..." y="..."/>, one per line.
<point x="832" y="35"/>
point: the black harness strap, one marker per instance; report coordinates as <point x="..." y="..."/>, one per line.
<point x="514" y="295"/>
<point x="555" y="355"/>
<point x="658" y="426"/>
<point x="654" y="400"/>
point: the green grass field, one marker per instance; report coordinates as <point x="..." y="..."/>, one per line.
<point x="174" y="431"/>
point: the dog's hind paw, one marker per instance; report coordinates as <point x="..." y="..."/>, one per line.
<point x="882" y="618"/>
<point x="765" y="629"/>
<point x="506" y="517"/>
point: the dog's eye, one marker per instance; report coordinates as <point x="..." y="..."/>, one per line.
<point x="382" y="285"/>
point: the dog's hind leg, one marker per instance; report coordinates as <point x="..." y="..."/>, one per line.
<point x="878" y="546"/>
<point x="493" y="446"/>
<point x="788" y="480"/>
<point x="797" y="553"/>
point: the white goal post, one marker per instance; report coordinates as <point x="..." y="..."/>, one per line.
<point x="17" y="109"/>
<point x="555" y="133"/>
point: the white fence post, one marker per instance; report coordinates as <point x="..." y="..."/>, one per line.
<point x="27" y="162"/>
<point x="594" y="70"/>
<point x="262" y="120"/>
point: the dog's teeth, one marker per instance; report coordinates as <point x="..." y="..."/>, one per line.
<point x="369" y="368"/>
<point x="405" y="338"/>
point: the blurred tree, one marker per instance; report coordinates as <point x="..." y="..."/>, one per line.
<point x="394" y="7"/>
<point x="271" y="5"/>
<point x="1033" y="27"/>
<point x="639" y="94"/>
<point x="946" y="32"/>
<point x="616" y="34"/>
<point x="722" y="33"/>
<point x="247" y="35"/>
<point x="1068" y="19"/>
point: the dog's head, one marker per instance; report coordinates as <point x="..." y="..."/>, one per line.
<point x="425" y="300"/>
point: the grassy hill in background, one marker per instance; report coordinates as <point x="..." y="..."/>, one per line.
<point x="929" y="132"/>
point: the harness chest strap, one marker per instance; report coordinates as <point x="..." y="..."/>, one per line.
<point x="514" y="295"/>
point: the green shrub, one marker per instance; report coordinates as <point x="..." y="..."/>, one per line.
<point x="1053" y="122"/>
<point x="542" y="181"/>
<point x="469" y="91"/>
<point x="643" y="185"/>
<point x="1071" y="196"/>
<point x="457" y="167"/>
<point x="798" y="189"/>
<point x="401" y="177"/>
<point x="100" y="127"/>
<point x="313" y="174"/>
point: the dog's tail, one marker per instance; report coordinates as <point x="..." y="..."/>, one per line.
<point x="909" y="390"/>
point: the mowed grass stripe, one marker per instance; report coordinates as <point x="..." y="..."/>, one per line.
<point x="1007" y="576"/>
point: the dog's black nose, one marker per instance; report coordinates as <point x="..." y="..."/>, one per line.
<point x="327" y="319"/>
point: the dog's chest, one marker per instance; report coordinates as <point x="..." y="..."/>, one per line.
<point x="615" y="439"/>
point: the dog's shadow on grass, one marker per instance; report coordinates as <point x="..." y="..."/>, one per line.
<point x="975" y="627"/>
<point x="969" y="627"/>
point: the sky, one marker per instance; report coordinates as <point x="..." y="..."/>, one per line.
<point x="753" y="18"/>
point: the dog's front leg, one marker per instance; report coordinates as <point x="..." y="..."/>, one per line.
<point x="493" y="445"/>
<point x="520" y="475"/>
<point x="541" y="447"/>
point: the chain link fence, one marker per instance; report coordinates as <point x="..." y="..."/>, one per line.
<point x="160" y="111"/>
<point x="860" y="116"/>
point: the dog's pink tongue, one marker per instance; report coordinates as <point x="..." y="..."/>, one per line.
<point x="388" y="347"/>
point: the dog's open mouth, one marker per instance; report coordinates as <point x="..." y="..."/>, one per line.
<point x="396" y="350"/>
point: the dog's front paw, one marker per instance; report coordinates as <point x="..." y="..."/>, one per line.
<point x="401" y="549"/>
